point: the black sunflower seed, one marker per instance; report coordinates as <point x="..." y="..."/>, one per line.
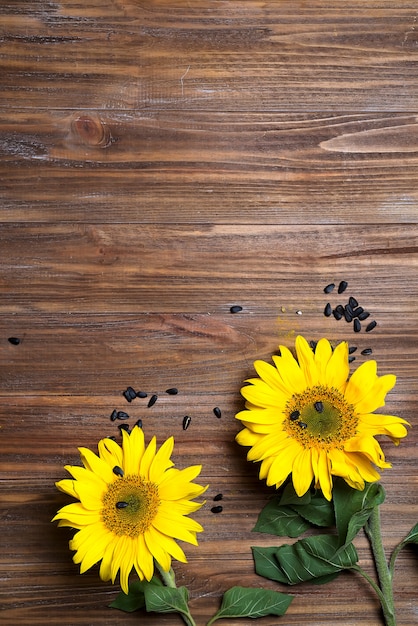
<point x="141" y="394"/>
<point x="217" y="411"/>
<point x="114" y="415"/>
<point x="329" y="288"/>
<point x="152" y="400"/>
<point x="15" y="341"/>
<point x="218" y="497"/>
<point x="357" y="325"/>
<point x="327" y="310"/>
<point x="302" y="425"/>
<point x="124" y="427"/>
<point x="319" y="407"/>
<point x="351" y="359"/>
<point x="342" y="286"/>
<point x="118" y="471"/>
<point x="313" y="344"/>
<point x="367" y="351"/>
<point x="352" y="349"/>
<point x="340" y="309"/>
<point x="236" y="308"/>
<point x="352" y="302"/>
<point x="172" y="391"/>
<point x="130" y="394"/>
<point x="370" y="326"/>
<point x="186" y="422"/>
<point x="337" y="314"/>
<point x="138" y="423"/>
<point x="121" y="415"/>
<point x="294" y="416"/>
<point x="217" y="509"/>
<point x="358" y="311"/>
<point x="363" y="315"/>
<point x="347" y="314"/>
<point x="121" y="505"/>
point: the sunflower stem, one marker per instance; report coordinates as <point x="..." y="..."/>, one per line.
<point x="373" y="531"/>
<point x="169" y="579"/>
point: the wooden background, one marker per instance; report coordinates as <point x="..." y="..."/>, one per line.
<point x="161" y="161"/>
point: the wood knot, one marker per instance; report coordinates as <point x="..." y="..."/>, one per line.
<point x="90" y="130"/>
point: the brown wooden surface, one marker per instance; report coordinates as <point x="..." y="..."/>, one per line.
<point x="160" y="161"/>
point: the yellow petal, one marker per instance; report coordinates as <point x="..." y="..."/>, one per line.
<point x="169" y="545"/>
<point x="364" y="467"/>
<point x="154" y="544"/>
<point x="361" y="382"/>
<point x="147" y="458"/>
<point x="338" y="369"/>
<point x="67" y="486"/>
<point x="307" y="361"/>
<point x="376" y="397"/>
<point x="96" y="465"/>
<point x="144" y="558"/>
<point x="105" y="571"/>
<point x="290" y="372"/>
<point x="323" y="353"/>
<point x="247" y="438"/>
<point x="271" y="377"/>
<point x="262" y="395"/>
<point x="110" y="452"/>
<point x="269" y="445"/>
<point x="134" y="451"/>
<point x="322" y="471"/>
<point x="302" y="472"/>
<point x="161" y="462"/>
<point x="76" y="513"/>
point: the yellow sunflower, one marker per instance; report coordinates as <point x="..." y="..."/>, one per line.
<point x="132" y="506"/>
<point x="306" y="417"/>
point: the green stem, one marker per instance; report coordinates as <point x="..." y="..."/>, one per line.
<point x="169" y="579"/>
<point x="373" y="532"/>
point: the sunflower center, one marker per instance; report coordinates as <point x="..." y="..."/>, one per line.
<point x="321" y="417"/>
<point x="129" y="506"/>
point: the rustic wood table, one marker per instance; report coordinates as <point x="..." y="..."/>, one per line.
<point x="162" y="161"/>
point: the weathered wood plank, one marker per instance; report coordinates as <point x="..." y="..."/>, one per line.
<point x="237" y="55"/>
<point x="208" y="167"/>
<point x="145" y="268"/>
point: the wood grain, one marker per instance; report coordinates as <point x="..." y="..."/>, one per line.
<point x="160" y="162"/>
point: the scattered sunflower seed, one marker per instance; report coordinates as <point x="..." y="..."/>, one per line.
<point x="217" y="411"/>
<point x="124" y="427"/>
<point x="236" y="308"/>
<point x="121" y="415"/>
<point x="173" y="391"/>
<point x="351" y="359"/>
<point x="114" y="415"/>
<point x="218" y="497"/>
<point x="336" y="313"/>
<point x="130" y="394"/>
<point x="118" y="471"/>
<point x="15" y="341"/>
<point x="370" y="326"/>
<point x="352" y="349"/>
<point x="138" y="423"/>
<point x="186" y="422"/>
<point x="367" y="351"/>
<point x="141" y="394"/>
<point x="217" y="509"/>
<point x="363" y="315"/>
<point x="342" y="286"/>
<point x="152" y="400"/>
<point x="327" y="310"/>
<point x="357" y="326"/>
<point x="352" y="302"/>
<point x="329" y="288"/>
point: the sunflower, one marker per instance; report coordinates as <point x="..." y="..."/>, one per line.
<point x="132" y="507"/>
<point x="308" y="418"/>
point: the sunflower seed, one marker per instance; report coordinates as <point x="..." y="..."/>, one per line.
<point x="124" y="427"/>
<point x="121" y="415"/>
<point x="217" y="411"/>
<point x="114" y="415"/>
<point x="138" y="423"/>
<point x="130" y="394"/>
<point x="302" y="425"/>
<point x="352" y="302"/>
<point x="319" y="406"/>
<point x="347" y="315"/>
<point x="313" y="344"/>
<point x="327" y="310"/>
<point x="236" y="308"/>
<point x="186" y="422"/>
<point x="342" y="286"/>
<point x="217" y="509"/>
<point x="367" y="351"/>
<point x="141" y="394"/>
<point x="329" y="288"/>
<point x="118" y="471"/>
<point x="121" y="505"/>
<point x="370" y="326"/>
<point x="352" y="349"/>
<point x="357" y="326"/>
<point x="358" y="311"/>
<point x="363" y="315"/>
<point x="294" y="416"/>
<point x="351" y="359"/>
<point x="218" y="497"/>
<point x="337" y="314"/>
<point x="173" y="391"/>
<point x="15" y="341"/>
<point x="152" y="400"/>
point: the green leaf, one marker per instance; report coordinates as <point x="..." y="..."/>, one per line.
<point x="307" y="559"/>
<point x="282" y="521"/>
<point x="319" y="511"/>
<point x="135" y="598"/>
<point x="253" y="603"/>
<point x="166" y="599"/>
<point x="412" y="536"/>
<point x="353" y="507"/>
<point x="289" y="496"/>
